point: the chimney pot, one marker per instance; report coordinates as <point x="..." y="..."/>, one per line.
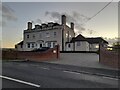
<point x="29" y="25"/>
<point x="72" y="25"/>
<point x="63" y="20"/>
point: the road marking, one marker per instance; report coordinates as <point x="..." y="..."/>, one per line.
<point x="90" y="74"/>
<point x="110" y="78"/>
<point x="72" y="72"/>
<point x="45" y="68"/>
<point x="20" y="81"/>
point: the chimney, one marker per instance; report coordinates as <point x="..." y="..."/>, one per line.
<point x="63" y="20"/>
<point x="29" y="25"/>
<point x="72" y="25"/>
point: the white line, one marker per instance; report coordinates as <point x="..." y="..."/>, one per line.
<point x="91" y="74"/>
<point x="20" y="81"/>
<point x="71" y="72"/>
<point x="111" y="78"/>
<point x="45" y="68"/>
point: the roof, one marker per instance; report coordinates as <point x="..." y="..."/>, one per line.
<point x="20" y="43"/>
<point x="78" y="38"/>
<point x="90" y="40"/>
<point x="96" y="40"/>
<point x="46" y="25"/>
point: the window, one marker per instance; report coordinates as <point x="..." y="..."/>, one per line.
<point x="28" y="45"/>
<point x="40" y="45"/>
<point x="15" y="46"/>
<point x="69" y="45"/>
<point x="21" y="46"/>
<point x="47" y="34"/>
<point x="49" y="44"/>
<point x="97" y="46"/>
<point x="27" y="36"/>
<point x="54" y="43"/>
<point x="54" y="34"/>
<point x="78" y="43"/>
<point x="32" y="45"/>
<point x="66" y="35"/>
<point x="40" y="35"/>
<point x="33" y="36"/>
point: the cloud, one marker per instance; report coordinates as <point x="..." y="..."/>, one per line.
<point x="8" y="14"/>
<point x="112" y="40"/>
<point x="55" y="15"/>
<point x="78" y="19"/>
<point x="38" y="21"/>
<point x="91" y="32"/>
<point x="2" y="23"/>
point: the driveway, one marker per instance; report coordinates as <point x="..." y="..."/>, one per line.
<point x="80" y="59"/>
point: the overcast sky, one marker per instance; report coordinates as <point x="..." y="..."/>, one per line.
<point x="15" y="16"/>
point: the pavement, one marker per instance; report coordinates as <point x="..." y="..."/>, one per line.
<point x="27" y="74"/>
<point x="90" y="60"/>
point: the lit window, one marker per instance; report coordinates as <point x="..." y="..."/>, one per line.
<point x="109" y="48"/>
<point x="78" y="43"/>
<point x="66" y="34"/>
<point x="97" y="46"/>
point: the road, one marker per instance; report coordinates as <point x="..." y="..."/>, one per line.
<point x="45" y="75"/>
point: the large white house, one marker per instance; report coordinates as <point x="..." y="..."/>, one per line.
<point x="46" y="35"/>
<point x="51" y="34"/>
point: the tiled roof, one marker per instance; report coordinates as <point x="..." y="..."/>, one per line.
<point x="90" y="40"/>
<point x="78" y="38"/>
<point x="20" y="43"/>
<point x="96" y="40"/>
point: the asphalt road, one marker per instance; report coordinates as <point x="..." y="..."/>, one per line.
<point x="45" y="75"/>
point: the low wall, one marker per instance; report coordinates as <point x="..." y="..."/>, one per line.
<point x="109" y="58"/>
<point x="30" y="55"/>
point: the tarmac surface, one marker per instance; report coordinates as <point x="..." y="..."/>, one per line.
<point x="27" y="74"/>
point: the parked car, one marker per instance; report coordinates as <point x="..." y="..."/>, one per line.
<point x="41" y="49"/>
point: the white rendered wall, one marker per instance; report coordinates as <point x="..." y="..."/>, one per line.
<point x="84" y="46"/>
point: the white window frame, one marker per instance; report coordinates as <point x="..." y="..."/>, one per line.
<point x="78" y="43"/>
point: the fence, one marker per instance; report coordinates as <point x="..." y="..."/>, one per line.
<point x="110" y="58"/>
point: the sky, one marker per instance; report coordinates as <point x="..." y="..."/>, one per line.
<point x="15" y="16"/>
